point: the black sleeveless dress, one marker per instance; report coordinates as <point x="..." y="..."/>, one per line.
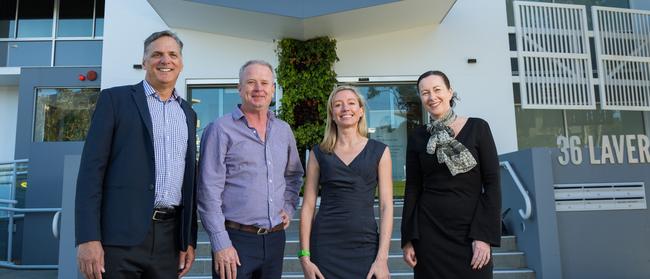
<point x="344" y="236"/>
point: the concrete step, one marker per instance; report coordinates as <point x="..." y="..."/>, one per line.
<point x="502" y="260"/>
<point x="521" y="273"/>
<point x="508" y="244"/>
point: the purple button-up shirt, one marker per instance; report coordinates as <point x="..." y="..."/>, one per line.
<point x="244" y="179"/>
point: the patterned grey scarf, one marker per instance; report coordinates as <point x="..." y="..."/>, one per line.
<point x="448" y="150"/>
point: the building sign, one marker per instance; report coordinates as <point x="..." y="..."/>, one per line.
<point x="612" y="149"/>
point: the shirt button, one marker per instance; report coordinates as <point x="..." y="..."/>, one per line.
<point x="270" y="180"/>
<point x="269" y="162"/>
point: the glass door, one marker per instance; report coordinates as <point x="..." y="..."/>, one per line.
<point x="393" y="110"/>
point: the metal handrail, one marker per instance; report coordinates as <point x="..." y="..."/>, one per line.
<point x="524" y="213"/>
<point x="13" y="210"/>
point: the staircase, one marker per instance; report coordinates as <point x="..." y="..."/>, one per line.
<point x="509" y="263"/>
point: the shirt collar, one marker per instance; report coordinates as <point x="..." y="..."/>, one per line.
<point x="150" y="91"/>
<point x="238" y="114"/>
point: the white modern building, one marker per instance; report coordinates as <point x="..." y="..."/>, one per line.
<point x="542" y="74"/>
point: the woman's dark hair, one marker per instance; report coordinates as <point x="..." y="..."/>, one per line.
<point x="445" y="79"/>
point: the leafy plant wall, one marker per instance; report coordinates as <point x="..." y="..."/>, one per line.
<point x="306" y="73"/>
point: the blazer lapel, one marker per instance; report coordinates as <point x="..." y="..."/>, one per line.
<point x="137" y="92"/>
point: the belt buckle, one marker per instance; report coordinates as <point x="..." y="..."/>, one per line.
<point x="262" y="231"/>
<point x="154" y="215"/>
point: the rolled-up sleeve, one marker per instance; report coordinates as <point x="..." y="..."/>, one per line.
<point x="211" y="181"/>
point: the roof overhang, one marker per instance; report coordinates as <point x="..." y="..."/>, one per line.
<point x="9" y="76"/>
<point x="300" y="19"/>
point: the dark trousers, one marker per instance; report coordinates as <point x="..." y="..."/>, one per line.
<point x="260" y="256"/>
<point x="155" y="258"/>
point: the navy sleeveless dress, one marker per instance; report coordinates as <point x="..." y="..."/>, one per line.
<point x="344" y="236"/>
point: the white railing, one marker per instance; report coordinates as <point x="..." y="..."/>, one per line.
<point x="622" y="39"/>
<point x="527" y="212"/>
<point x="554" y="56"/>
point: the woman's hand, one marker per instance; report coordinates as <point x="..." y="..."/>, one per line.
<point x="310" y="270"/>
<point x="379" y="270"/>
<point x="409" y="254"/>
<point x="482" y="254"/>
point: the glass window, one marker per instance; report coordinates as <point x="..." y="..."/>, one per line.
<point x="32" y="53"/>
<point x="538" y="127"/>
<point x="99" y="18"/>
<point x="63" y="114"/>
<point x="78" y="53"/>
<point x="75" y="18"/>
<point x="392" y="111"/>
<point x="7" y="18"/>
<point x="211" y="103"/>
<point x="4" y="51"/>
<point x="35" y="18"/>
<point x="596" y="123"/>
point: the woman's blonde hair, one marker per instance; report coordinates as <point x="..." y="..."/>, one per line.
<point x="329" y="139"/>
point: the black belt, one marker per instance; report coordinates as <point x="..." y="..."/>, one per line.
<point x="163" y="214"/>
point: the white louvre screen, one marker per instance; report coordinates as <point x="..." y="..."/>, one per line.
<point x="554" y="56"/>
<point x="622" y="38"/>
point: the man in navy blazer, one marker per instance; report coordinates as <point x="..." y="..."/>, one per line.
<point x="135" y="202"/>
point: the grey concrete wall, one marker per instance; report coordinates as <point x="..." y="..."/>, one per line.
<point x="604" y="243"/>
<point x="67" y="251"/>
<point x="46" y="161"/>
<point x="537" y="236"/>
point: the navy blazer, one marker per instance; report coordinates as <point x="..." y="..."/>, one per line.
<point x="115" y="186"/>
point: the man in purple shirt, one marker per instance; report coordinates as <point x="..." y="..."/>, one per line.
<point x="249" y="178"/>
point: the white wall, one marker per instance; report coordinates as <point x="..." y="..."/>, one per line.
<point x="127" y="23"/>
<point x="9" y="116"/>
<point x="205" y="55"/>
<point x="472" y="29"/>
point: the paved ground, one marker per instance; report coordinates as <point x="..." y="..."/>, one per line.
<point x="27" y="274"/>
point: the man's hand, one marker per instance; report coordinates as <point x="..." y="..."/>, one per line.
<point x="285" y="218"/>
<point x="185" y="261"/>
<point x="90" y="257"/>
<point x="226" y="262"/>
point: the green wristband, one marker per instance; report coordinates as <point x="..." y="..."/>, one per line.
<point x="303" y="253"/>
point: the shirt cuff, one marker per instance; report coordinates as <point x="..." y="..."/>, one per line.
<point x="220" y="241"/>
<point x="290" y="210"/>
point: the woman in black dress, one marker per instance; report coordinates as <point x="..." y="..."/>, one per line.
<point x="452" y="198"/>
<point x="348" y="167"/>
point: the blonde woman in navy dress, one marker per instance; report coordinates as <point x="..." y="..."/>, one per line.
<point x="452" y="198"/>
<point x="342" y="240"/>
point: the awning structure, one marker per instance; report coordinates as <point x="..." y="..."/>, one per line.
<point x="9" y="76"/>
<point x="300" y="19"/>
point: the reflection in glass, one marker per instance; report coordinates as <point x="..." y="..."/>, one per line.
<point x="211" y="103"/>
<point x="78" y="53"/>
<point x="596" y="123"/>
<point x="538" y="127"/>
<point x="4" y="52"/>
<point x="393" y="110"/>
<point x="35" y="18"/>
<point x="99" y="18"/>
<point x="7" y="18"/>
<point x="32" y="53"/>
<point x="63" y="114"/>
<point x="75" y="18"/>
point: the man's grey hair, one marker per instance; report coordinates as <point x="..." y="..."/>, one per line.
<point x="255" y="62"/>
<point x="158" y="35"/>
